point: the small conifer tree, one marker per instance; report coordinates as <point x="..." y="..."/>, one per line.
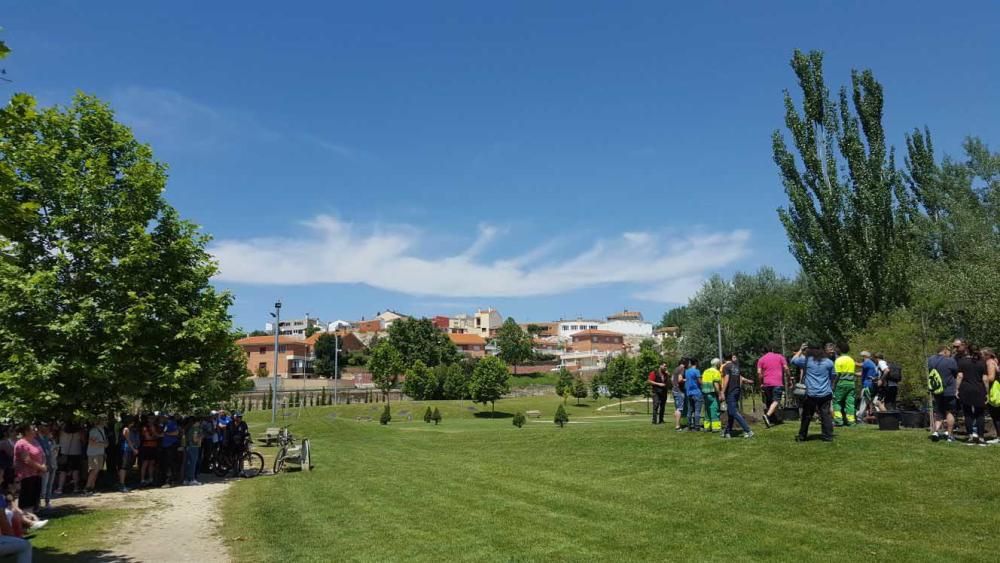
<point x="436" y="416"/>
<point x="428" y="415"/>
<point x="519" y="419"/>
<point x="561" y="417"/>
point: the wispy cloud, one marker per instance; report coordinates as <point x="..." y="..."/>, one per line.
<point x="170" y="120"/>
<point x="663" y="268"/>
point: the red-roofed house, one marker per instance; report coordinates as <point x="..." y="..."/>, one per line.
<point x="471" y="345"/>
<point x="594" y="340"/>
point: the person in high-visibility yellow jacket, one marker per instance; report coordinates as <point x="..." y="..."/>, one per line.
<point x="844" y="392"/>
<point x="711" y="387"/>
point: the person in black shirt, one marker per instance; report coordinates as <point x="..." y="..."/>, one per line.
<point x="971" y="383"/>
<point x="658" y="380"/>
<point x="238" y="435"/>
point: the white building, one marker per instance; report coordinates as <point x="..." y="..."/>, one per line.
<point x="297" y="327"/>
<point x="629" y="328"/>
<point x="569" y="328"/>
<point x="388" y="317"/>
<point x="337" y="325"/>
<point x="484" y="323"/>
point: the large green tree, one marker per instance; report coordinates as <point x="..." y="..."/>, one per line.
<point x="419" y="339"/>
<point x="104" y="290"/>
<point x="490" y="380"/>
<point x="619" y="376"/>
<point x="325" y="351"/>
<point x="514" y="343"/>
<point x="385" y="364"/>
<point x="848" y="217"/>
<point x="420" y="383"/>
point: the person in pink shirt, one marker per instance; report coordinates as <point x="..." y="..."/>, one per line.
<point x="772" y="368"/>
<point x="29" y="465"/>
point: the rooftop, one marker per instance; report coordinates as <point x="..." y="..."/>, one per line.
<point x="595" y="332"/>
<point x="466" y="339"/>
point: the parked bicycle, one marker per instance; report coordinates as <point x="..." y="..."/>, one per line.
<point x="290" y="453"/>
<point x="225" y="461"/>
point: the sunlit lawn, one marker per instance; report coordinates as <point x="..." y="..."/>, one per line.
<point x="608" y="487"/>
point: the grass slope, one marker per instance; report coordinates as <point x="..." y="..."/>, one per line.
<point x="607" y="487"/>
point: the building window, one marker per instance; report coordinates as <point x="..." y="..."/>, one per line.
<point x="262" y="366"/>
<point x="262" y="351"/>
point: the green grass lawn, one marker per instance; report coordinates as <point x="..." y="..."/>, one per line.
<point x="536" y="378"/>
<point x="609" y="487"/>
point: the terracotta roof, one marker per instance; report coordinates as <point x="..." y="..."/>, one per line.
<point x="265" y="340"/>
<point x="595" y="332"/>
<point x="466" y="339"/>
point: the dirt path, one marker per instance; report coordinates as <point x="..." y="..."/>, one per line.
<point x="181" y="523"/>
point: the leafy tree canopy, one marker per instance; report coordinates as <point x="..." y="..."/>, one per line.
<point x="419" y="339"/>
<point x="105" y="293"/>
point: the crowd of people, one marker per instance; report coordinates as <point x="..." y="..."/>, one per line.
<point x="41" y="462"/>
<point x="828" y="383"/>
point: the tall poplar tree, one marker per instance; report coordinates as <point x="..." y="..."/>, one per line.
<point x="848" y="217"/>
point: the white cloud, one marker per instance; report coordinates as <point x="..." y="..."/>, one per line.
<point x="665" y="269"/>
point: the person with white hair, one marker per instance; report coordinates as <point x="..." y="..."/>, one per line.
<point x="711" y="388"/>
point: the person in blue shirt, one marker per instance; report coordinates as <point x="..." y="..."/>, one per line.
<point x="869" y="378"/>
<point x="692" y="389"/>
<point x="818" y="373"/>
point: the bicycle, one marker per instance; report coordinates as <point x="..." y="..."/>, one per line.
<point x="289" y="452"/>
<point x="225" y="461"/>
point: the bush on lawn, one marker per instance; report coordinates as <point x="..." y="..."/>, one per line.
<point x="561" y="416"/>
<point x="518" y="419"/>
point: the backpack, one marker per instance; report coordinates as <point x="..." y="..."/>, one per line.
<point x="994" y="396"/>
<point x="934" y="382"/>
<point x="896" y="373"/>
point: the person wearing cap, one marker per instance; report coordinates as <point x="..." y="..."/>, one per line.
<point x="869" y="380"/>
<point x="711" y="388"/>
<point x="238" y="435"/>
<point x="844" y="392"/>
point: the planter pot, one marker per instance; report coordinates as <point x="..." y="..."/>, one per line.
<point x="889" y="420"/>
<point x="913" y="419"/>
<point x="790" y="413"/>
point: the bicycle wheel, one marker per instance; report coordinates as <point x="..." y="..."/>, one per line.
<point x="279" y="460"/>
<point x="223" y="465"/>
<point x="253" y="464"/>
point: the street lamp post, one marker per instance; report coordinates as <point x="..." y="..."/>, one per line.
<point x="274" y="389"/>
<point x="718" y="326"/>
<point x="336" y="365"/>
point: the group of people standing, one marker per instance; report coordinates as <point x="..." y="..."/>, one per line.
<point x="827" y="387"/>
<point x="39" y="462"/>
<point x="963" y="377"/>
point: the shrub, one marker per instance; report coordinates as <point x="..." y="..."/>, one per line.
<point x="900" y="337"/>
<point x="561" y="417"/>
<point x="436" y="416"/>
<point x="386" y="416"/>
<point x="428" y="415"/>
<point x="519" y="420"/>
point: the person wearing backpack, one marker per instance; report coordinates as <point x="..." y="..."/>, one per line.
<point x="941" y="372"/>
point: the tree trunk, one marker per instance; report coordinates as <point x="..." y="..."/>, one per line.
<point x="619" y="405"/>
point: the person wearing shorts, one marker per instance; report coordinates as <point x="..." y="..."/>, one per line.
<point x="148" y="449"/>
<point x="129" y="449"/>
<point x="772" y="368"/>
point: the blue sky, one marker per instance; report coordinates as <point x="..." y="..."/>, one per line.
<point x="552" y="159"/>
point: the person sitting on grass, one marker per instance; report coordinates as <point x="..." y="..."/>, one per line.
<point x="732" y="384"/>
<point x="677" y="388"/>
<point x="11" y="542"/>
<point x="692" y="388"/>
<point x="817" y="375"/>
<point x="711" y="388"/>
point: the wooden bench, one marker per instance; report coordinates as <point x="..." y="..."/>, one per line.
<point x="533" y="414"/>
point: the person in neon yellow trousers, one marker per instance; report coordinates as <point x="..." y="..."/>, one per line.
<point x="844" y="391"/>
<point x="711" y="387"/>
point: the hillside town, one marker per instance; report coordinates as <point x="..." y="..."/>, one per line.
<point x="578" y="345"/>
